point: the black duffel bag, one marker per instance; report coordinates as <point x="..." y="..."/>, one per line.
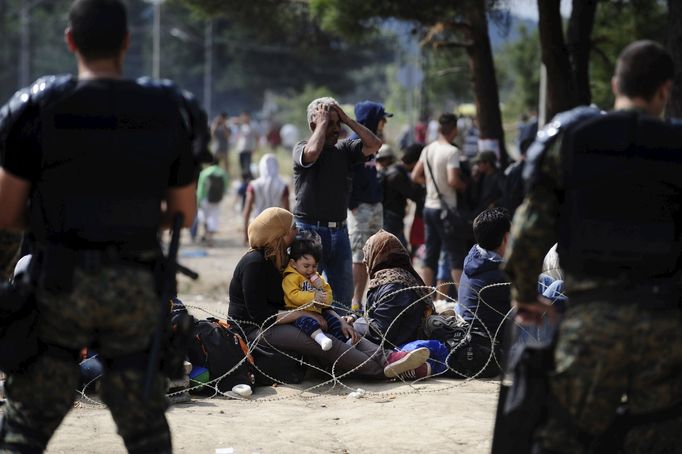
<point x="457" y="222"/>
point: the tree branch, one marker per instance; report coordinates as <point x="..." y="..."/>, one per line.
<point x="441" y="27"/>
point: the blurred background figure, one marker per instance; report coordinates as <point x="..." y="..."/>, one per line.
<point x="247" y="142"/>
<point x="211" y="188"/>
<point x="268" y="190"/>
<point x="273" y="136"/>
<point x="289" y="135"/>
<point x="398" y="187"/>
<point x="220" y="136"/>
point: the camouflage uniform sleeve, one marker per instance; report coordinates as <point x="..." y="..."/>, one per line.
<point x="534" y="228"/>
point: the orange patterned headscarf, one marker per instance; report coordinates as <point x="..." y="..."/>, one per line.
<point x="267" y="232"/>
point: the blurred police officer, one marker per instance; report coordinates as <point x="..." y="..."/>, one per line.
<point x="609" y="189"/>
<point x="102" y="163"/>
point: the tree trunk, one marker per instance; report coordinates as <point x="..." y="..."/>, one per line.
<point x="578" y="39"/>
<point x="674" y="107"/>
<point x="555" y="56"/>
<point x="484" y="78"/>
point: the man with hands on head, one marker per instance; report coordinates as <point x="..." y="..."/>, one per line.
<point x="322" y="170"/>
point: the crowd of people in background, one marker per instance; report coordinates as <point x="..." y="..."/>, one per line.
<point x="376" y="227"/>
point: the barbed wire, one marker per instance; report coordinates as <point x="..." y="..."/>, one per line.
<point x="334" y="385"/>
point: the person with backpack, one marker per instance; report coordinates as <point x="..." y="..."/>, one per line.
<point x="440" y="169"/>
<point x="211" y="189"/>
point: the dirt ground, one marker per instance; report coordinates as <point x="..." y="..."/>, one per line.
<point x="432" y="416"/>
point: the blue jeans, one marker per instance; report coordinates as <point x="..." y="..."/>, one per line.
<point x="336" y="263"/>
<point x="436" y="241"/>
<point x="309" y="325"/>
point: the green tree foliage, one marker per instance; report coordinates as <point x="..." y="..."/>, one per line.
<point x="460" y="24"/>
<point x="618" y="23"/>
<point x="258" y="46"/>
<point x="48" y="54"/>
<point x="279" y="46"/>
<point x="447" y="79"/>
<point x="518" y="65"/>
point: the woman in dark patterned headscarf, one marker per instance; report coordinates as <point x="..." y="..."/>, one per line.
<point x="398" y="301"/>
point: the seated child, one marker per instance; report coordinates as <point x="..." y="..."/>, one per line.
<point x="305" y="288"/>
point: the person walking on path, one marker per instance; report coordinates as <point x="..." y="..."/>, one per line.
<point x="268" y="190"/>
<point x="211" y="189"/>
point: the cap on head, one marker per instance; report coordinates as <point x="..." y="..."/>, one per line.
<point x="385" y="152"/>
<point x="369" y="113"/>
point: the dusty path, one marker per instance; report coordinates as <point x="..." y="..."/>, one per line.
<point x="434" y="416"/>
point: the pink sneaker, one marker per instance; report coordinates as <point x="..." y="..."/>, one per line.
<point x="399" y="362"/>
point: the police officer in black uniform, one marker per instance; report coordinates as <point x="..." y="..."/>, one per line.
<point x="93" y="166"/>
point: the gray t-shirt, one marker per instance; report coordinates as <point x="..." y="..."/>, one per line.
<point x="322" y="187"/>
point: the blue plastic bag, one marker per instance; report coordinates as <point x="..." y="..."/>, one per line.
<point x="438" y="353"/>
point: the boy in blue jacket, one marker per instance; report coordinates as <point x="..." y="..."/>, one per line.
<point x="481" y="303"/>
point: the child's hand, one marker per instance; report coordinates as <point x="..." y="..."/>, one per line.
<point x="321" y="297"/>
<point x="316" y="280"/>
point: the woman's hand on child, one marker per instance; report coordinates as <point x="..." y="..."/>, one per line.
<point x="349" y="331"/>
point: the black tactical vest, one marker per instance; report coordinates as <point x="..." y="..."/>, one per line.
<point x="620" y="217"/>
<point x="105" y="156"/>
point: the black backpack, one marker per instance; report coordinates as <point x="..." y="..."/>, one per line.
<point x="219" y="346"/>
<point x="216" y="188"/>
<point x="471" y="350"/>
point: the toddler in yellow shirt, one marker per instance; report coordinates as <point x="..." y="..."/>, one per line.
<point x="306" y="290"/>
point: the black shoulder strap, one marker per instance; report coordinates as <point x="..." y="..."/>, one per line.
<point x="433" y="178"/>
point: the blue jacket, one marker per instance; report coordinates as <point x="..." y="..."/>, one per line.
<point x="482" y="268"/>
<point x="365" y="187"/>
